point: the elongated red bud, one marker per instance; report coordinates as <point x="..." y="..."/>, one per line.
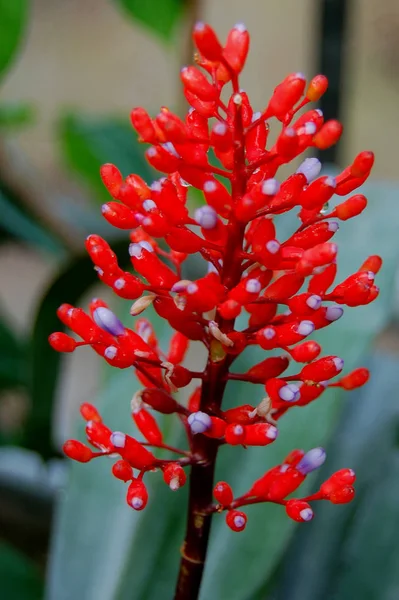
<point x="147" y="425"/>
<point x="196" y="82"/>
<point x="328" y="135"/>
<point x="355" y="379"/>
<point x="61" y="342"/>
<point x="306" y="352"/>
<point x="236" y="49"/>
<point x="322" y="369"/>
<point x="372" y="263"/>
<point x="339" y="481"/>
<point x="160" y="401"/>
<point x="207" y="42"/>
<point x="99" y="435"/>
<point x="270" y="367"/>
<point x="143" y="124"/>
<point x="351" y="207"/>
<point x="137" y="495"/>
<point x="317" y="88"/>
<point x="77" y="451"/>
<point x="90" y="413"/>
<point x="318" y="256"/>
<point x="112" y="178"/>
<point x="174" y="476"/>
<point x="318" y="193"/>
<point x="362" y="164"/>
<point x="260" y="434"/>
<point x="286" y="94"/>
<point x="223" y="493"/>
<point x="132" y="451"/>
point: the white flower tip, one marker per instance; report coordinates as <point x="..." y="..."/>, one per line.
<point x="272" y="432"/>
<point x="306" y="514"/>
<point x="253" y="286"/>
<point x="240" y="27"/>
<point x="339" y="363"/>
<point x="333" y="226"/>
<point x="270" y="187"/>
<point x="174" y="484"/>
<point x="136" y="502"/>
<point x="289" y="392"/>
<point x="331" y="182"/>
<point x="314" y="301"/>
<point x="333" y="313"/>
<point x="305" y="328"/>
<point x="239" y="522"/>
<point x="273" y="246"/>
<point x="310" y="168"/>
<point x="118" y="439"/>
<point x="210" y="186"/>
<point x="269" y="333"/>
<point x="199" y="26"/>
<point x="199" y="422"/>
<point x="110" y="352"/>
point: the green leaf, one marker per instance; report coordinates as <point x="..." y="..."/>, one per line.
<point x="70" y="284"/>
<point x="20" y="580"/>
<point x="23" y="226"/>
<point x="88" y="142"/>
<point x="13" y="18"/>
<point x="13" y="359"/>
<point x="15" y="115"/>
<point x="160" y="16"/>
<point x="129" y="549"/>
<point x="354" y="547"/>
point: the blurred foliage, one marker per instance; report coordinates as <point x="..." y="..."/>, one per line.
<point x="87" y="143"/>
<point x="18" y="114"/>
<point x="13" y="19"/>
<point x="159" y="16"/>
<point x="20" y="579"/>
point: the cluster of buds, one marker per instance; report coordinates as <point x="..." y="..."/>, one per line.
<point x="247" y="272"/>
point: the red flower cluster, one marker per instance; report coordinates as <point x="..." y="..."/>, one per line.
<point x="247" y="270"/>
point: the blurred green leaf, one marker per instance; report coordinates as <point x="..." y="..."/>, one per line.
<point x="354" y="547"/>
<point x="23" y="226"/>
<point x="13" y="18"/>
<point x="13" y="359"/>
<point x="128" y="549"/>
<point x="70" y="284"/>
<point x="88" y="142"/>
<point x="15" y="115"/>
<point x="19" y="578"/>
<point x="161" y="16"/>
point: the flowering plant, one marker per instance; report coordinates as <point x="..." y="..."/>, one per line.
<point x="246" y="271"/>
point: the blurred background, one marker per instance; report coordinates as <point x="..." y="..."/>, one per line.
<point x="70" y="71"/>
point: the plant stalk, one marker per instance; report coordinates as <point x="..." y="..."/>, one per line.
<point x="214" y="382"/>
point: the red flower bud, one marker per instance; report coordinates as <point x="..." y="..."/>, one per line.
<point x="236" y="520"/>
<point x="77" y="451"/>
<point x="61" y="342"/>
<point x="298" y="510"/>
<point x="137" y="495"/>
<point x="223" y="493"/>
<point x="174" y="476"/>
<point x="122" y="470"/>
